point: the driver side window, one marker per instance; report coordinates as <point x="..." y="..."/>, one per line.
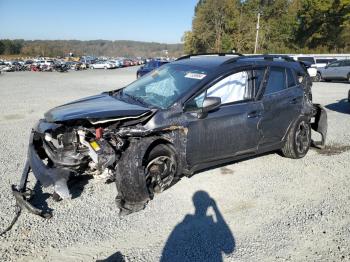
<point x="236" y="87"/>
<point x="231" y="89"/>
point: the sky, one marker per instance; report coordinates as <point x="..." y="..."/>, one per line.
<point x="162" y="21"/>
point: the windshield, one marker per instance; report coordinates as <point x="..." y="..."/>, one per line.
<point x="165" y="85"/>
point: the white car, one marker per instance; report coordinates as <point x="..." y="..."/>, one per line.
<point x="310" y="59"/>
<point x="44" y="62"/>
<point x="102" y="65"/>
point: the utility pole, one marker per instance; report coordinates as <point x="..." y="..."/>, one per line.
<point x="257" y="33"/>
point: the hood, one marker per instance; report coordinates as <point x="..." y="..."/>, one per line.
<point x="96" y="109"/>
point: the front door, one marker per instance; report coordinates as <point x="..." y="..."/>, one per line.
<point x="232" y="129"/>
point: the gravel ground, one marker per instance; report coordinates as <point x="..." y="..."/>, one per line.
<point x="267" y="208"/>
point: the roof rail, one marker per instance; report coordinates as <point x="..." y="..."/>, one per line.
<point x="208" y="54"/>
<point x="265" y="57"/>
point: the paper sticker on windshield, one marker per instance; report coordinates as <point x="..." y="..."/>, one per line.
<point x="195" y="76"/>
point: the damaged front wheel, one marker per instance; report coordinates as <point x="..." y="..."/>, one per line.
<point x="161" y="168"/>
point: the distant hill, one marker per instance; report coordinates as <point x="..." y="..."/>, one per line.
<point x="94" y="47"/>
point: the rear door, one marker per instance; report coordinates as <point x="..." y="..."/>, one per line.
<point x="282" y="100"/>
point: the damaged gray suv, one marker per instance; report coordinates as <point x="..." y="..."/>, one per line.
<point x="192" y="114"/>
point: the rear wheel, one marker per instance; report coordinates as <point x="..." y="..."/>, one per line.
<point x="348" y="78"/>
<point x="298" y="139"/>
<point x="161" y="168"/>
<point x="105" y="67"/>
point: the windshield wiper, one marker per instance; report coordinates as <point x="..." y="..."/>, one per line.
<point x="137" y="99"/>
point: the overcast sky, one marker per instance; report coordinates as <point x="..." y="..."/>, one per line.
<point x="142" y="20"/>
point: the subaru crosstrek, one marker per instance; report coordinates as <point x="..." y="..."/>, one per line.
<point x="186" y="116"/>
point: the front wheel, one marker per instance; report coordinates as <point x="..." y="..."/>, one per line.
<point x="298" y="139"/>
<point x="161" y="168"/>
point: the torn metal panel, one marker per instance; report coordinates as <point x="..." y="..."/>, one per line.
<point x="320" y="124"/>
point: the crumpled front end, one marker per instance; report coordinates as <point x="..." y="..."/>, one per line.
<point x="58" y="151"/>
<point x="114" y="151"/>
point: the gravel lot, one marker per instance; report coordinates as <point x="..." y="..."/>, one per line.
<point x="267" y="209"/>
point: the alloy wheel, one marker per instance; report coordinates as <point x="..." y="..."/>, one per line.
<point x="302" y="137"/>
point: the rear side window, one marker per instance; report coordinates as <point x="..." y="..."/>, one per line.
<point x="277" y="80"/>
<point x="334" y="64"/>
<point x="307" y="59"/>
<point x="290" y="78"/>
<point x="345" y="63"/>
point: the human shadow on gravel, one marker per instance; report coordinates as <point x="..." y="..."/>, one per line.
<point x="342" y="106"/>
<point x="117" y="257"/>
<point x="200" y="237"/>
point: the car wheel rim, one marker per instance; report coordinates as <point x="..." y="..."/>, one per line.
<point x="302" y="137"/>
<point x="318" y="77"/>
<point x="159" y="173"/>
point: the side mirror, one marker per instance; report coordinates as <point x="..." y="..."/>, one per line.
<point x="211" y="103"/>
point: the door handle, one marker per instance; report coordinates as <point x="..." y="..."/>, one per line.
<point x="254" y="114"/>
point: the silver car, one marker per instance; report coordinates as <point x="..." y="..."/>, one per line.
<point x="338" y="70"/>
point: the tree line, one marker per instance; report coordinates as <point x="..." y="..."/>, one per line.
<point x="54" y="48"/>
<point x="286" y="26"/>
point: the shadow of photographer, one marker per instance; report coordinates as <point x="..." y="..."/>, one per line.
<point x="200" y="237"/>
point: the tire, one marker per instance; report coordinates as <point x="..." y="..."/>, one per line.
<point x="105" y="67"/>
<point x="318" y="77"/>
<point x="348" y="78"/>
<point x="298" y="139"/>
<point x="92" y="68"/>
<point x="349" y="96"/>
<point x="160" y="169"/>
<point x="138" y="76"/>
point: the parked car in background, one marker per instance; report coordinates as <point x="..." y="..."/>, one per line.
<point x="102" y="65"/>
<point x="311" y="62"/>
<point x="150" y="66"/>
<point x="338" y="70"/>
<point x="323" y="62"/>
<point x="126" y="62"/>
<point x="115" y="63"/>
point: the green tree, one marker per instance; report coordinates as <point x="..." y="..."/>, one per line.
<point x="322" y="24"/>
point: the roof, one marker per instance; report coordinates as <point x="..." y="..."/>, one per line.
<point x="205" y="61"/>
<point x="212" y="61"/>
